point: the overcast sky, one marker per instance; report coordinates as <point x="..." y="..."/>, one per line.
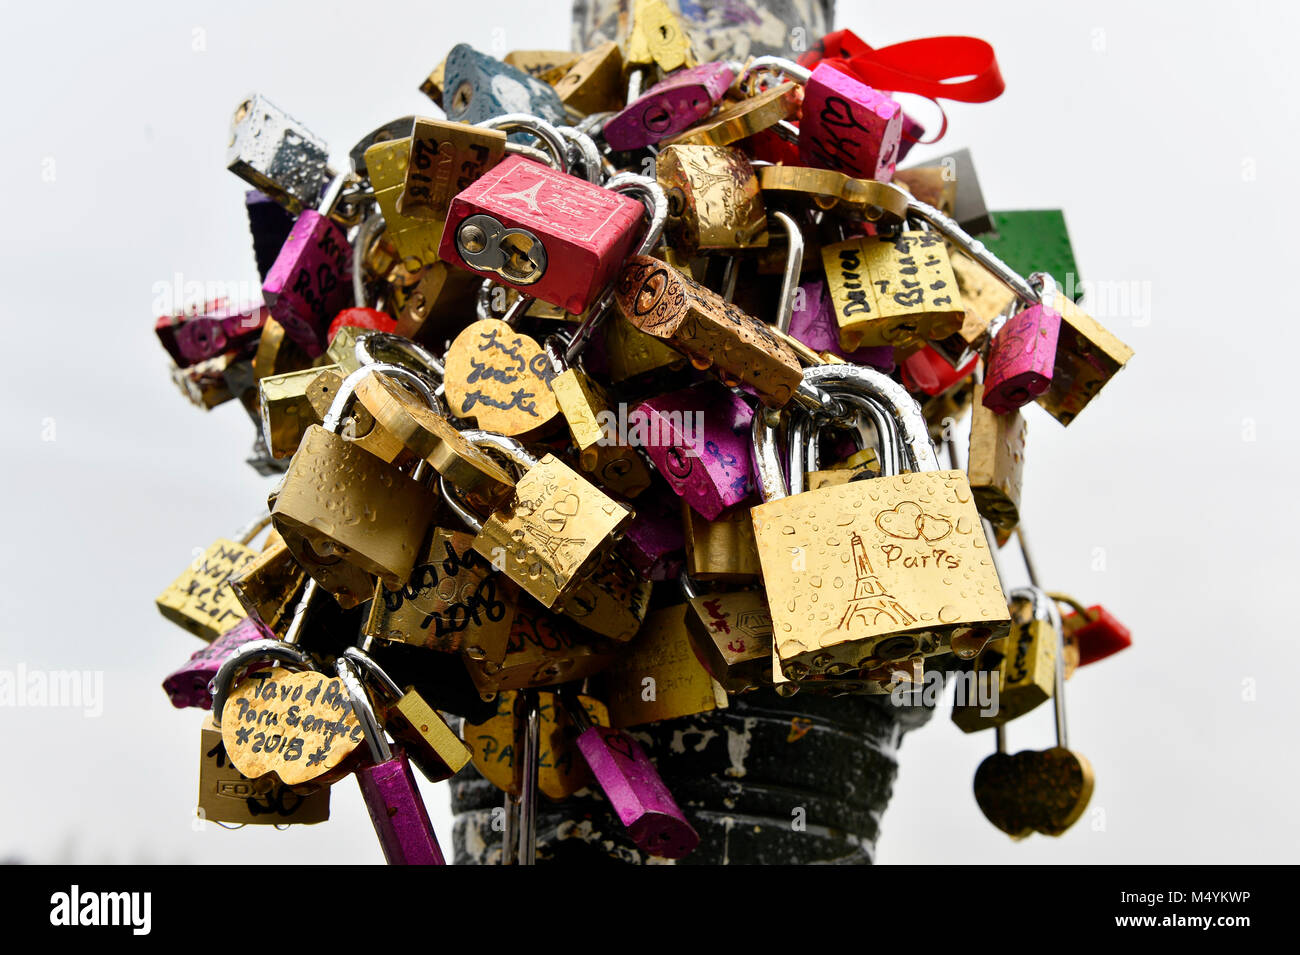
<point x="1170" y="143"/>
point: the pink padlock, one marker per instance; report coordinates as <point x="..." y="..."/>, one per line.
<point x="218" y="331"/>
<point x="188" y="685"/>
<point x="633" y="787"/>
<point x="698" y="439"/>
<point x="670" y="106"/>
<point x="308" y="284"/>
<point x="1022" y="355"/>
<point x="542" y="232"/>
<point x="814" y="324"/>
<point x="848" y="126"/>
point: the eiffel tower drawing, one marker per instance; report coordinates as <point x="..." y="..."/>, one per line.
<point x="870" y="599"/>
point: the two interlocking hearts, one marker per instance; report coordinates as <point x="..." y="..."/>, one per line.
<point x="908" y="522"/>
<point x="556" y="517"/>
<point x="1034" y="791"/>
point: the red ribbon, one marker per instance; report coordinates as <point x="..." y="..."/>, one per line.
<point x="924" y="67"/>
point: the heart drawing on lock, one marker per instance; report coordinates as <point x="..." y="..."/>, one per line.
<point x="906" y="521"/>
<point x="556" y="517"/>
<point x="1034" y="791"/>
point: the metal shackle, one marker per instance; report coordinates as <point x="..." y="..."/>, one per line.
<point x="250" y="652"/>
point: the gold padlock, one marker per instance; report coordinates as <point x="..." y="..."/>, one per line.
<point x="871" y="572"/>
<point x="432" y="86"/>
<point x="997" y="460"/>
<point x="721" y="550"/>
<point x="594" y="83"/>
<point x="741" y="119"/>
<point x="632" y="353"/>
<point x="831" y="191"/>
<point x="348" y="516"/>
<point x="658" y="676"/>
<point x="543" y="650"/>
<point x="892" y="289"/>
<point x="714" y="201"/>
<point x="416" y="240"/>
<point x="286" y="405"/>
<point x="981" y="293"/>
<point x="732" y="636"/>
<point x="549" y="66"/>
<point x="1087" y="357"/>
<point x="453" y="602"/>
<point x="445" y="158"/>
<point x="500" y="378"/>
<point x="655" y="37"/>
<point x="713" y="333"/>
<point x="612" y="602"/>
<point x="227" y="796"/>
<point x="430" y="309"/>
<point x="201" y="599"/>
<point x="553" y="532"/>
<point x="269" y="584"/>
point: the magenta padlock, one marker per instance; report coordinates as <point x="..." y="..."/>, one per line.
<point x="1022" y="355"/>
<point x="188" y="685"/>
<point x="542" y="232"/>
<point x="308" y="284"/>
<point x="388" y="787"/>
<point x="814" y="324"/>
<point x="848" y="126"/>
<point x="911" y="135"/>
<point x="654" y="542"/>
<point x="632" y="785"/>
<point x="670" y="106"/>
<point x="698" y="439"/>
<point x="218" y="331"/>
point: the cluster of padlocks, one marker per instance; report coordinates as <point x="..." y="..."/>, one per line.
<point x="609" y="396"/>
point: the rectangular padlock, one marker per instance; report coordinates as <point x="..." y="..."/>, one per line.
<point x="227" y="796"/>
<point x="200" y="599"/>
<point x="848" y="126"/>
<point x="553" y="236"/>
<point x="310" y="280"/>
<point x="445" y="158"/>
<point x="1087" y="357"/>
<point x="275" y="153"/>
<point x="996" y="464"/>
<point x="416" y="240"/>
<point x="732" y="635"/>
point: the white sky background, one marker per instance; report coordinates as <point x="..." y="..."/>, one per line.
<point x="1170" y="142"/>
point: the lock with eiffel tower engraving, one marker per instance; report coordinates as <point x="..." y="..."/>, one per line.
<point x="864" y="575"/>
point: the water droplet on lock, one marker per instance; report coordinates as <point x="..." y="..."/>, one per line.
<point x="964" y="525"/>
<point x="949" y="614"/>
<point x="837" y="582"/>
<point x="787" y="530"/>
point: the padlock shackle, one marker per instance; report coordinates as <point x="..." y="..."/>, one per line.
<point x="370" y="346"/>
<point x="790" y="275"/>
<point x="366" y="232"/>
<point x="768" y="469"/>
<point x="250" y="530"/>
<point x="458" y="507"/>
<point x="913" y="431"/>
<point x="583" y="149"/>
<point x="1047" y="611"/>
<point x="568" y="697"/>
<point x="775" y="64"/>
<point x="544" y="131"/>
<point x="889" y="443"/>
<point x="220" y="685"/>
<point x="380" y="751"/>
<point x="367" y="665"/>
<point x="348" y="390"/>
<point x="977" y="250"/>
<point x="508" y="446"/>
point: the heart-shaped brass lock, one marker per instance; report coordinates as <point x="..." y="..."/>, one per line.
<point x="499" y="378"/>
<point x="298" y="725"/>
<point x="1034" y="791"/>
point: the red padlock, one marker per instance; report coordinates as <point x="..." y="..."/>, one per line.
<point x="545" y="233"/>
<point x="1095" y="632"/>
<point x="929" y="372"/>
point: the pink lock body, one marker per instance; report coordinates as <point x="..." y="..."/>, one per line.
<point x="398" y="813"/>
<point x="309" y="282"/>
<point x="848" y="126"/>
<point x="586" y="231"/>
<point x="1021" y="359"/>
<point x="188" y="685"/>
<point x="633" y="787"/>
<point x="669" y="107"/>
<point x="219" y="331"/>
<point x="814" y="324"/>
<point x="698" y="439"/>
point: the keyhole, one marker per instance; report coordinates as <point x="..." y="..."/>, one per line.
<point x="461" y="98"/>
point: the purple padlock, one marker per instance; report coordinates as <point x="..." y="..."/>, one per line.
<point x="848" y="126"/>
<point x="698" y="439"/>
<point x="388" y="787"/>
<point x="670" y="106"/>
<point x="269" y="223"/>
<point x="218" y="331"/>
<point x="1022" y="355"/>
<point x="632" y="785"/>
<point x="188" y="685"/>
<point x="814" y="324"/>
<point x="654" y="542"/>
<point x="911" y="135"/>
<point x="308" y="284"/>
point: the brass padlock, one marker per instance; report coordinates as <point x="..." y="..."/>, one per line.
<point x="554" y="531"/>
<point x="269" y="584"/>
<point x="453" y="602"/>
<point x="286" y="406"/>
<point x="740" y="119"/>
<point x="875" y="571"/>
<point x="721" y="550"/>
<point x="714" y="200"/>
<point x="1087" y="356"/>
<point x="713" y="333"/>
<point x="854" y="200"/>
<point x="1023" y="664"/>
<point x="543" y="650"/>
<point x="892" y="289"/>
<point x="586" y="409"/>
<point x="201" y="599"/>
<point x="549" y="66"/>
<point x="632" y="353"/>
<point x="416" y="240"/>
<point x="348" y="516"/>
<point x="429" y="312"/>
<point x="500" y="378"/>
<point x="997" y="460"/>
<point x="732" y="636"/>
<point x="655" y="38"/>
<point x="612" y="602"/>
<point x="594" y="83"/>
<point x="659" y="677"/>
<point x="229" y="797"/>
<point x="444" y="159"/>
